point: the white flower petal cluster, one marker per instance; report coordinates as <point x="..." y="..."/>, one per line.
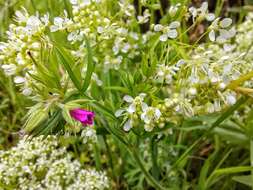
<point x="150" y="115"/>
<point x="145" y="18"/>
<point x="199" y="85"/>
<point x="221" y="26"/>
<point x="165" y="72"/>
<point x="139" y="110"/>
<point x="39" y="164"/>
<point x="201" y="13"/>
<point x="173" y="9"/>
<point x="89" y="135"/>
<point x="167" y="31"/>
<point x="24" y="42"/>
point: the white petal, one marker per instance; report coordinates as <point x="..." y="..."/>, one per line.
<point x="224" y="34"/>
<point x="144" y="106"/>
<point x="128" y="98"/>
<point x="204" y="7"/>
<point x="127" y="125"/>
<point x="131" y="108"/>
<point x="231" y="99"/>
<point x="226" y="22"/>
<point x="19" y="80"/>
<point x="72" y="36"/>
<point x="163" y="38"/>
<point x="146" y="119"/>
<point x="172" y="33"/>
<point x="27" y="91"/>
<point x="221" y="39"/>
<point x="232" y="32"/>
<point x="212" y="35"/>
<point x="174" y="24"/>
<point x="119" y="112"/>
<point x="100" y="29"/>
<point x="180" y="62"/>
<point x="58" y="21"/>
<point x="210" y="16"/>
<point x="228" y="47"/>
<point x="54" y="28"/>
<point x="142" y="95"/>
<point x="158" y="27"/>
<point x="157" y="113"/>
<point x="193" y="11"/>
<point x="73" y="2"/>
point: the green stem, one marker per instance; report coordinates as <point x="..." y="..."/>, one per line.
<point x="97" y="157"/>
<point x="251" y="160"/>
<point x="149" y="177"/>
<point x="215" y="124"/>
<point x="154" y="155"/>
<point x="109" y="153"/>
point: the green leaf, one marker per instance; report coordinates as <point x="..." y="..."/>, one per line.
<point x="36" y="118"/>
<point x="231" y="170"/>
<point x="66" y="61"/>
<point x="245" y="179"/>
<point x="90" y="66"/>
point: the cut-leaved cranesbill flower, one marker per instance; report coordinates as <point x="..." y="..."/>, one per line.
<point x="84" y="116"/>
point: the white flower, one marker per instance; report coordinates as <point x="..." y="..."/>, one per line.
<point x="163" y="38"/>
<point x="230" y="99"/>
<point x="9" y="69"/>
<point x="167" y="31"/>
<point x="19" y="79"/>
<point x="60" y="23"/>
<point x="128" y="125"/>
<point x="158" y="27"/>
<point x="226" y="22"/>
<point x="201" y="12"/>
<point x="212" y="35"/>
<point x="21" y="16"/>
<point x="166" y="73"/>
<point x="27" y="91"/>
<point x="220" y="26"/>
<point x="89" y="135"/>
<point x="150" y="115"/>
<point x="96" y="79"/>
<point x="173" y="9"/>
<point x="33" y="24"/>
<point x="75" y="36"/>
<point x="145" y="18"/>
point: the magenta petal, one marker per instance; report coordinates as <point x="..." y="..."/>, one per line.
<point x="84" y="116"/>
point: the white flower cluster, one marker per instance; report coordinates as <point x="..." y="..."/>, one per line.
<point x="199" y="84"/>
<point x="167" y="31"/>
<point x="139" y="110"/>
<point x="221" y="26"/>
<point x="41" y="164"/>
<point x="23" y="46"/>
<point x="89" y="135"/>
<point x="165" y="72"/>
<point x="111" y="39"/>
<point x="198" y="14"/>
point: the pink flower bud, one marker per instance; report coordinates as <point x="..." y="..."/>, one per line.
<point x="84" y="116"/>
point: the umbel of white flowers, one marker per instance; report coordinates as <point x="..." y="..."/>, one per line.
<point x="40" y="164"/>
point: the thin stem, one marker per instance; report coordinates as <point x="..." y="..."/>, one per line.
<point x="251" y="160"/>
<point x="215" y="124"/>
<point x="149" y="177"/>
<point x="154" y="155"/>
<point x="97" y="156"/>
<point x="108" y="150"/>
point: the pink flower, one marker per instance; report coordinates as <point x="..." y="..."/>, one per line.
<point x="84" y="116"/>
